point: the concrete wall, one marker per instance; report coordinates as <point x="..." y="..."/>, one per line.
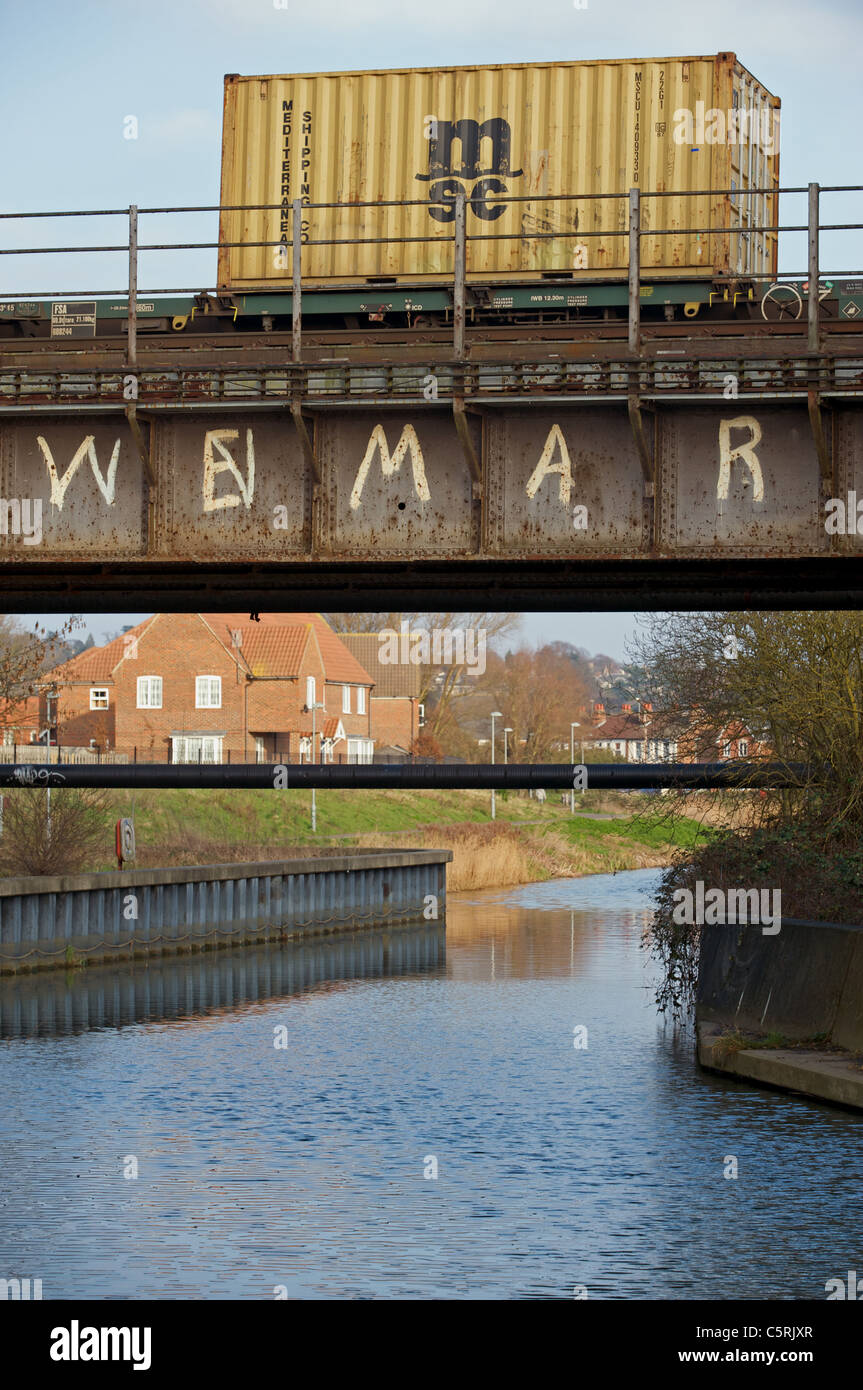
<point x="806" y="980"/>
<point x="97" y="917"/>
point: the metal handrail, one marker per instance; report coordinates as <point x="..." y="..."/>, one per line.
<point x="634" y="232"/>
<point x="422" y="202"/>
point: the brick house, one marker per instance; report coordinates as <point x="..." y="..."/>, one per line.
<point x="211" y="687"/>
<point x="640" y="736"/>
<point x="395" y="704"/>
<point x="20" y="722"/>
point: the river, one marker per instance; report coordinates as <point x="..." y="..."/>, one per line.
<point x="407" y="1116"/>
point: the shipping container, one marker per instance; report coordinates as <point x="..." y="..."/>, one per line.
<point x="538" y="133"/>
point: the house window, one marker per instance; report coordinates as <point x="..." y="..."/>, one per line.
<point x="196" y="749"/>
<point x="208" y="692"/>
<point x="305" y="750"/>
<point x="743" y="748"/>
<point x="311" y="697"/>
<point x="149" y="692"/>
<point x="726" y="750"/>
<point x="260" y="748"/>
<point x="360" y="750"/>
<point x="99" y="697"/>
<point x="361" y="699"/>
<point x="346" y="699"/>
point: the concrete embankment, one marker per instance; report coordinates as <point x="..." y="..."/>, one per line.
<point x="784" y="1010"/>
<point x="80" y="918"/>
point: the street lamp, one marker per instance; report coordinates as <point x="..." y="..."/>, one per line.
<point x="51" y="698"/>
<point x="314" y="707"/>
<point x="505" y="732"/>
<point x="495" y="714"/>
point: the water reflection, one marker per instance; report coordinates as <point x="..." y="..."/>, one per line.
<point x="54" y="1003"/>
<point x="306" y="1165"/>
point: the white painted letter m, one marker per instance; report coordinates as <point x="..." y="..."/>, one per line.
<point x="392" y="463"/>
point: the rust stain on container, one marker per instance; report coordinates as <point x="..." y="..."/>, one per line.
<point x="534" y="130"/>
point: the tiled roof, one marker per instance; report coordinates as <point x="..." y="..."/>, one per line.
<point x="400" y="678"/>
<point x="274" y="651"/>
<point x="339" y="663"/>
<point x="621" y="726"/>
<point x="96" y="663"/>
<point x="328" y="729"/>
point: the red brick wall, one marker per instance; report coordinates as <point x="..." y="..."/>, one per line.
<point x="394" y="721"/>
<point x="76" y="723"/>
<point x="356" y="725"/>
<point x="179" y="647"/>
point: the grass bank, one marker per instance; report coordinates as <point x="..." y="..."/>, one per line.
<point x="527" y="842"/>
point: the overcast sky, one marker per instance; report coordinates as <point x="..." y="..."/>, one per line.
<point x="73" y="73"/>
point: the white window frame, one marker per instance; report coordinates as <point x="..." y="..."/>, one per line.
<point x="742" y="748"/>
<point x="361" y="699"/>
<point x="361" y="750"/>
<point x="186" y="747"/>
<point x="97" y="690"/>
<point x="726" y="750"/>
<point x="346" y="700"/>
<point x="144" y="685"/>
<point x="204" y="693"/>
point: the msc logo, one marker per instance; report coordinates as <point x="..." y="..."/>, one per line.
<point x="473" y="175"/>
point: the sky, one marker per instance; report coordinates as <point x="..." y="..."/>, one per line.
<point x="74" y="74"/>
<point x="608" y="633"/>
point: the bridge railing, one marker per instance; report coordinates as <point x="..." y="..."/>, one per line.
<point x="632" y="228"/>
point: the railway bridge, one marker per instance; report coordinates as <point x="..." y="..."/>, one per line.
<point x="595" y="464"/>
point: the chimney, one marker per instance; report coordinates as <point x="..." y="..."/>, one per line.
<point x="598" y="712"/>
<point x="627" y="709"/>
<point x="645" y="712"/>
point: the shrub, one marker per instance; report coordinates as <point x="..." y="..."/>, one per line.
<point x="65" y="843"/>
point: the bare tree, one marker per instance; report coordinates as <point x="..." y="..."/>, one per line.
<point x="793" y="680"/>
<point x="24" y="655"/>
<point x="439" y="685"/>
<point x="539" y="694"/>
<point x="67" y="838"/>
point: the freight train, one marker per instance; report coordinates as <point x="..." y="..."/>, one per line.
<point x="378" y="162"/>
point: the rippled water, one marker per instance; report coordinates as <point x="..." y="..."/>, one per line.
<point x="304" y="1165"/>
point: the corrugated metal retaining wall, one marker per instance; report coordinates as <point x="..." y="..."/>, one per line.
<point x="95" y="917"/>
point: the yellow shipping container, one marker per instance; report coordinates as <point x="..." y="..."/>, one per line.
<point x="688" y="128"/>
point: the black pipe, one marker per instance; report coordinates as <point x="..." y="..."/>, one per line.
<point x="452" y="776"/>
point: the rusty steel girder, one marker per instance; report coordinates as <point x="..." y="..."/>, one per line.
<point x="559" y="479"/>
